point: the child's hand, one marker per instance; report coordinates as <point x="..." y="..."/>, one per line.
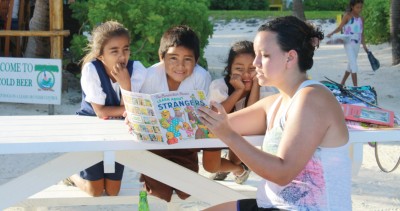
<point x="236" y="81"/>
<point x="121" y="75"/>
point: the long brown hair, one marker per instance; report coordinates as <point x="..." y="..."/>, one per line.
<point x="100" y="36"/>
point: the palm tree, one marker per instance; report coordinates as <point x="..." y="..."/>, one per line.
<point x="298" y="9"/>
<point x="39" y="47"/>
<point x="395" y="31"/>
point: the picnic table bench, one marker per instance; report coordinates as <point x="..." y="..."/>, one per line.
<point x="84" y="141"/>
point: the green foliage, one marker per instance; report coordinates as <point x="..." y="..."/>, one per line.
<point x="325" y="5"/>
<point x="239" y="4"/>
<point x="377" y="21"/>
<point x="147" y="20"/>
<point x="261" y="14"/>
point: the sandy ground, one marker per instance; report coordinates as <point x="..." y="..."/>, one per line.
<point x="371" y="189"/>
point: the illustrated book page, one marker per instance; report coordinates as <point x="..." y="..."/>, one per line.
<point x="166" y="118"/>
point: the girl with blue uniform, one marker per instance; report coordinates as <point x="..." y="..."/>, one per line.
<point x="101" y="96"/>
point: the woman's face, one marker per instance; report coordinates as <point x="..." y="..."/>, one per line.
<point x="270" y="61"/>
<point x="242" y="67"/>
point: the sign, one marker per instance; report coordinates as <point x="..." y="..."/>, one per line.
<point x="27" y="80"/>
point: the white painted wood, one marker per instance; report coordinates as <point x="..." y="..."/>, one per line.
<point x="45" y="175"/>
<point x="89" y="140"/>
<point x="109" y="162"/>
<point x="180" y="178"/>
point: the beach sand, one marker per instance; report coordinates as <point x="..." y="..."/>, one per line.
<point x="371" y="188"/>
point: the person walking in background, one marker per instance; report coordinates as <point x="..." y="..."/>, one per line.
<point x="353" y="25"/>
<point x="109" y="51"/>
<point x="304" y="160"/>
<point x="238" y="89"/>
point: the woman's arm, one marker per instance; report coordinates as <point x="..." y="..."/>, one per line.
<point x="307" y="125"/>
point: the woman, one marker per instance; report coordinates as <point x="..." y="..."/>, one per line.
<point x="304" y="161"/>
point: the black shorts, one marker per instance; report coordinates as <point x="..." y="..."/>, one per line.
<point x="251" y="205"/>
<point x="96" y="172"/>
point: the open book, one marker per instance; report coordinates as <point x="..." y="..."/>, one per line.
<point x="368" y="115"/>
<point x="167" y="118"/>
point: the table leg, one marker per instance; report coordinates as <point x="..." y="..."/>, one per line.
<point x="357" y="157"/>
<point x="45" y="175"/>
<point x="177" y="176"/>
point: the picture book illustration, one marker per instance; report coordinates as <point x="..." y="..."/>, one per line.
<point x="368" y="115"/>
<point x="166" y="118"/>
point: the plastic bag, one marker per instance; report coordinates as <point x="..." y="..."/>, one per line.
<point x="373" y="61"/>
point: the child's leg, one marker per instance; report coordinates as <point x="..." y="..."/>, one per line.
<point x="93" y="188"/>
<point x="112" y="187"/>
<point x="354" y="78"/>
<point x="212" y="162"/>
<point x="352" y="50"/>
<point x="346" y="75"/>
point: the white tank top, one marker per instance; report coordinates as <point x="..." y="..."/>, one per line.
<point x="323" y="184"/>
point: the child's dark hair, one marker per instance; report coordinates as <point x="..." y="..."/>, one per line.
<point x="180" y="36"/>
<point x="295" y="34"/>
<point x="101" y="35"/>
<point x="238" y="48"/>
<point x="352" y="3"/>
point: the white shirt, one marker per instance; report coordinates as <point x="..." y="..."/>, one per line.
<point x="15" y="10"/>
<point x="91" y="85"/>
<point x="219" y="93"/>
<point x="156" y="80"/>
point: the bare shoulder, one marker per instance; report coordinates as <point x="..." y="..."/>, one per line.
<point x="268" y="101"/>
<point x="320" y="107"/>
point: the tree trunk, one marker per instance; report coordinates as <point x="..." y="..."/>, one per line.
<point x="395" y="31"/>
<point x="298" y="9"/>
<point x="39" y="47"/>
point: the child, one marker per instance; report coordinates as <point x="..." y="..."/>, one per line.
<point x="353" y="25"/>
<point x="109" y="52"/>
<point x="238" y="89"/>
<point x="304" y="162"/>
<point x="177" y="70"/>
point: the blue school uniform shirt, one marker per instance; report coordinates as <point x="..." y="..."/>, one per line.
<point x="112" y="98"/>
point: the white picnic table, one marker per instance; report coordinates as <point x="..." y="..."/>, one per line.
<point x="84" y="141"/>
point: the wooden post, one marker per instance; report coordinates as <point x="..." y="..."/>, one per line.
<point x="56" y="42"/>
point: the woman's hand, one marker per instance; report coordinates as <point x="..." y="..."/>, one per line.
<point x="216" y="121"/>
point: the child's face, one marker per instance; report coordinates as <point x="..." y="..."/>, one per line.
<point x="179" y="64"/>
<point x="242" y="67"/>
<point x="116" y="50"/>
<point x="357" y="8"/>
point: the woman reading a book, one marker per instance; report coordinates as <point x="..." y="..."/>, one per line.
<point x="304" y="161"/>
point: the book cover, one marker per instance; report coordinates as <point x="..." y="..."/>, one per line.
<point x="166" y="118"/>
<point x="368" y="115"/>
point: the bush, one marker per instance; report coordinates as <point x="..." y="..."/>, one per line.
<point x="239" y="4"/>
<point x="377" y="21"/>
<point x="147" y="20"/>
<point x="325" y="5"/>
